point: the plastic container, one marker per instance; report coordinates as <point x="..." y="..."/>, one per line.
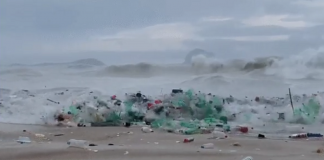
<point x="248" y="158"/>
<point x="208" y="146"/>
<point x="218" y="134"/>
<point x="188" y="140"/>
<point x="78" y="143"/>
<point x="146" y="130"/>
<point x="23" y="140"/>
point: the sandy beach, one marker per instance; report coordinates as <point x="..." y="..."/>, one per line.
<point x="131" y="143"/>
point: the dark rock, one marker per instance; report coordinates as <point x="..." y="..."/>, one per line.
<point x="261" y="136"/>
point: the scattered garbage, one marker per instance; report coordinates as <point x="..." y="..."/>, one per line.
<point x="23" y="140"/>
<point x="183" y="112"/>
<point x="186" y="112"/>
<point x="208" y="146"/>
<point x="78" y="143"/>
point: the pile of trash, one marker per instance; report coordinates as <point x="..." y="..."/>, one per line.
<point x="187" y="112"/>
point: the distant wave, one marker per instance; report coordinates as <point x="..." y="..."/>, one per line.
<point x="200" y="65"/>
<point x="21" y="72"/>
<point x="308" y="65"/>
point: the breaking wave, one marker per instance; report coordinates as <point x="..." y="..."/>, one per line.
<point x="305" y="65"/>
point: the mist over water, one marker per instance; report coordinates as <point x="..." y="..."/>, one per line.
<point x="265" y="76"/>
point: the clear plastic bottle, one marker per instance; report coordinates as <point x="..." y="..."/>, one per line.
<point x="248" y="158"/>
<point x="208" y="146"/>
<point x="146" y="129"/>
<point x="23" y="140"/>
<point x="78" y="143"/>
<point x="219" y="134"/>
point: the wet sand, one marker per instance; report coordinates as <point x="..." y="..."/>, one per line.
<point x="145" y="146"/>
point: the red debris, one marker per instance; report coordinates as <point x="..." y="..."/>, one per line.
<point x="150" y="105"/>
<point x="157" y="101"/>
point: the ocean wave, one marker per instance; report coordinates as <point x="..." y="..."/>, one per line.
<point x="200" y="65"/>
<point x="20" y="72"/>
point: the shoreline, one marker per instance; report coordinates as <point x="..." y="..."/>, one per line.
<point x="157" y="145"/>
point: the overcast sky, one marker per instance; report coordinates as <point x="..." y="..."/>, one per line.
<point x="32" y="31"/>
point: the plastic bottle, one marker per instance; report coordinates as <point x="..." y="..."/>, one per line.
<point x="188" y="140"/>
<point x="248" y="158"/>
<point x="218" y="134"/>
<point x="314" y="135"/>
<point x="78" y="143"/>
<point x="146" y="129"/>
<point x="208" y="146"/>
<point x="299" y="135"/>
